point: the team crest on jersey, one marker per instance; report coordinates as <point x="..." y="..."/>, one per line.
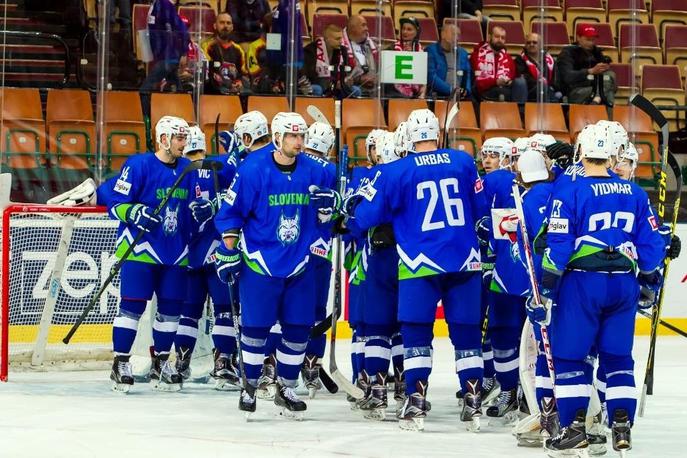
<point x="289" y="228"/>
<point x="170" y="223"/>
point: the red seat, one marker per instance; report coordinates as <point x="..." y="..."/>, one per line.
<point x="515" y="33"/>
<point x="201" y="19"/>
<point x="626" y="11"/>
<point x="662" y="85"/>
<point x="428" y="30"/>
<point x="639" y="42"/>
<point x="383" y="24"/>
<point x="675" y="44"/>
<point x="555" y="35"/>
<point x="501" y="9"/>
<point x="531" y="11"/>
<point x="668" y="12"/>
<point x="321" y="21"/>
<point x="470" y="31"/>
<point x="626" y="82"/>
<point x="584" y="11"/>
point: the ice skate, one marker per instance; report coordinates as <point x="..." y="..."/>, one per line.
<point x="399" y="389"/>
<point x="225" y="372"/>
<point x="267" y="383"/>
<point x="549" y="417"/>
<point x="375" y="404"/>
<point x="571" y="441"/>
<point x="291" y="406"/>
<point x="363" y="383"/>
<point x="491" y="388"/>
<point x="412" y="416"/>
<point x="247" y="401"/>
<point x="596" y="436"/>
<point x="310" y="373"/>
<point x="472" y="406"/>
<point x="163" y="376"/>
<point x="183" y="362"/>
<point x="620" y="430"/>
<point x="121" y="376"/>
<point x="504" y="411"/>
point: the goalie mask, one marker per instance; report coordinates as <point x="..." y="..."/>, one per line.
<point x="195" y="142"/>
<point x="320" y="138"/>
<point x="253" y="124"/>
<point x="287" y="123"/>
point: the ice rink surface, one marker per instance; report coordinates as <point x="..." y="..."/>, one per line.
<point x="76" y="415"/>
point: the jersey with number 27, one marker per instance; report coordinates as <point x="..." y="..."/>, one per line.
<point x="433" y="200"/>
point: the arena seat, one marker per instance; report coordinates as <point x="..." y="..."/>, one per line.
<point x="428" y="30"/>
<point x="675" y="45"/>
<point x="201" y="19"/>
<point x="399" y="109"/>
<point x="162" y="104"/>
<point x="546" y="118"/>
<point x="385" y="24"/>
<point x="325" y="8"/>
<point x="531" y="12"/>
<point x="515" y="34"/>
<point x="662" y="84"/>
<point x="369" y="7"/>
<point x="626" y="12"/>
<point x="268" y="105"/>
<point x="71" y="129"/>
<point x="641" y="132"/>
<point x="500" y="119"/>
<point x="359" y="116"/>
<point x="501" y="9"/>
<point x="585" y="11"/>
<point x="581" y="115"/>
<point x="470" y="32"/>
<point x="325" y="105"/>
<point x="668" y="12"/>
<point x="555" y="35"/>
<point x="228" y="107"/>
<point x="321" y="21"/>
<point x="639" y="42"/>
<point x="626" y="82"/>
<point x="464" y="134"/>
<point x="412" y="8"/>
<point x="23" y="142"/>
<point x="139" y="19"/>
<point x="125" y="130"/>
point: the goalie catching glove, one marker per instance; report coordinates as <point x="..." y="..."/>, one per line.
<point x="84" y="194"/>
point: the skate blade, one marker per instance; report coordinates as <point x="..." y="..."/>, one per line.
<point x="597" y="449"/>
<point x="267" y="393"/>
<point x="120" y="387"/>
<point x="622" y="453"/>
<point x="508" y="419"/>
<point x="473" y="425"/>
<point x="290" y="415"/>
<point x="414" y="424"/>
<point x="530" y="442"/>
<point x="312" y="392"/>
<point x="377" y="414"/>
<point x="165" y="387"/>
<point x="226" y="385"/>
<point x="576" y="452"/>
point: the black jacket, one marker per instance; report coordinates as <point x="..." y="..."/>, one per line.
<point x="572" y="65"/>
<point x="247" y="18"/>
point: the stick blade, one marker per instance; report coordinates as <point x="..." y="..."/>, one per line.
<point x="347" y="386"/>
<point x="649" y="108"/>
<point x="316" y="114"/>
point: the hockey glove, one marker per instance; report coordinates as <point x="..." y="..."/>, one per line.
<point x="549" y="287"/>
<point x="227" y="262"/>
<point x="202" y="210"/>
<point x="327" y="201"/>
<point x="538" y="313"/>
<point x="561" y="153"/>
<point x="483" y="228"/>
<point x="673" y="243"/>
<point x="142" y="218"/>
<point x="349" y="204"/>
<point x="382" y="237"/>
<point x="649" y="286"/>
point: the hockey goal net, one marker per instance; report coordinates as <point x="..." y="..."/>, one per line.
<point x="54" y="260"/>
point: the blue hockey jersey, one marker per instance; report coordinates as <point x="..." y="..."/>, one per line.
<point x="535" y="201"/>
<point x="433" y="200"/>
<point x="323" y="245"/>
<point x="146" y="180"/>
<point x="601" y="224"/>
<point x="273" y="210"/>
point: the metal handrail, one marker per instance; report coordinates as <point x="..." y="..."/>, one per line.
<point x="46" y="36"/>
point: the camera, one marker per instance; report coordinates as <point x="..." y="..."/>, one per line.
<point x="606" y="60"/>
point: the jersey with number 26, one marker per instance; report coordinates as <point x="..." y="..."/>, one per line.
<point x="433" y="200"/>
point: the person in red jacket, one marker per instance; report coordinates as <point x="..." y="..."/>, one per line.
<point x="495" y="77"/>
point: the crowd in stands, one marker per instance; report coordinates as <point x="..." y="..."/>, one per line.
<point x="344" y="61"/>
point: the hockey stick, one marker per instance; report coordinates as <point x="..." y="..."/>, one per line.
<point x="316" y="114"/>
<point x="451" y="112"/>
<point x="338" y="377"/>
<point x="665" y="324"/>
<point x="533" y="279"/>
<point x="217" y="137"/>
<point x="667" y="159"/>
<point x="329" y="384"/>
<point x="208" y="165"/>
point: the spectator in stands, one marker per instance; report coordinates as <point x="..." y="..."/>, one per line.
<point x="247" y="16"/>
<point x="409" y="41"/>
<point x="529" y="69"/>
<point x="191" y="71"/>
<point x="584" y="72"/>
<point x="464" y="9"/>
<point x="227" y="66"/>
<point x="323" y="52"/>
<point x="495" y="70"/>
<point x="364" y="56"/>
<point x="444" y="66"/>
<point x="169" y="39"/>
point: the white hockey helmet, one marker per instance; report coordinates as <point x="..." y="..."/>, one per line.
<point x="543" y="140"/>
<point x="521" y="144"/>
<point x="422" y="125"/>
<point x="591" y="144"/>
<point x="195" y="141"/>
<point x="401" y="141"/>
<point x="629" y="157"/>
<point x="371" y="141"/>
<point x="253" y="124"/>
<point x="170" y="126"/>
<point x="617" y="139"/>
<point x="319" y="137"/>
<point x="532" y="166"/>
<point x="386" y="148"/>
<point x="502" y="146"/>
<point x="287" y="123"/>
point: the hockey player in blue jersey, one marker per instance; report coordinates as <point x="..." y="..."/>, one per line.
<point x="433" y="199"/>
<point x="268" y="207"/>
<point x="202" y="278"/>
<point x="601" y="231"/>
<point x="319" y="141"/>
<point x="253" y="130"/>
<point x="158" y="265"/>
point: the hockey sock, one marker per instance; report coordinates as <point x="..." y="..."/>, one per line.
<point x="377" y="349"/>
<point x="166" y="324"/>
<point x="417" y="353"/>
<point x="397" y="352"/>
<point x="600" y="384"/>
<point x="253" y="341"/>
<point x="291" y="352"/>
<point x="354" y="355"/>
<point x="466" y="340"/>
<point x="125" y="325"/>
<point x="488" y="357"/>
<point x="273" y="339"/>
<point x="620" y="384"/>
<point x="360" y="349"/>
<point x="572" y="389"/>
<point x="316" y="346"/>
<point x="506" y="347"/>
<point x="187" y="333"/>
<point x="542" y="379"/>
<point x="223" y="333"/>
